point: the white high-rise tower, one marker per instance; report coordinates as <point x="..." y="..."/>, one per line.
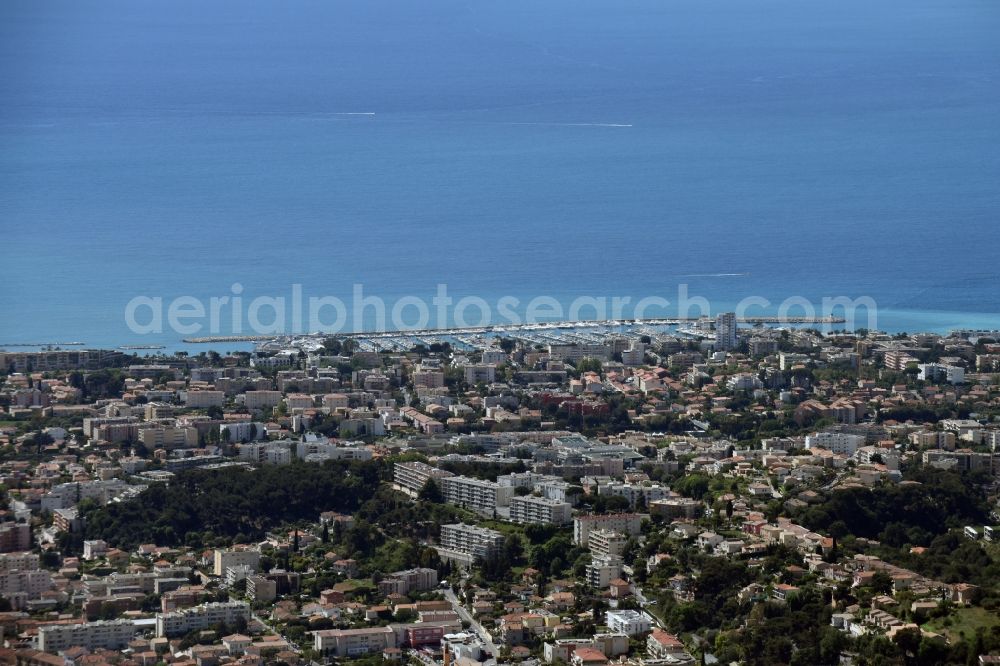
<point x="725" y="331"/>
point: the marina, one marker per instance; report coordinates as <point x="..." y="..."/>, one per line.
<point x="469" y="338"/>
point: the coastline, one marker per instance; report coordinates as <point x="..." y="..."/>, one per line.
<point x="891" y="321"/>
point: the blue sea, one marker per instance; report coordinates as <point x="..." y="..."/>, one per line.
<point x="770" y="148"/>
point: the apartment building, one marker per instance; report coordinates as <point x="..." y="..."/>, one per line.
<point x="542" y="510"/>
<point x="335" y="401"/>
<point x="40" y="361"/>
<point x="675" y="507"/>
<point x="234" y="558"/>
<point x="964" y="460"/>
<point x="154" y="411"/>
<point x="937" y="373"/>
<point x="112" y="428"/>
<point x="266" y="453"/>
<point x="169" y="438"/>
<point x="575" y="352"/>
<point x="235" y="385"/>
<point x="261" y="399"/>
<point x="411" y="580"/>
<point x="837" y="442"/>
<point x="108" y="635"/>
<point x="411" y="477"/>
<point x="95" y="549"/>
<point x="353" y="642"/>
<point x="629" y="524"/>
<point x="898" y="360"/>
<point x="521" y="479"/>
<point x="361" y="427"/>
<point x="356" y="642"/>
<point x="29" y="398"/>
<point x="478" y="495"/>
<point x="299" y="401"/>
<point x="24" y="561"/>
<point x="66" y="495"/>
<point x="204" y="399"/>
<point x="602" y="570"/>
<point x="725" y="331"/>
<point x="476" y="542"/>
<point x="762" y="347"/>
<point x="261" y="589"/>
<point x="14" y="537"/>
<point x="201" y="617"/>
<point x="428" y="379"/>
<point x="607" y="543"/>
<point x="634" y="491"/>
<point x="425" y="424"/>
<point x="788" y="360"/>
<point x="476" y="374"/>
<point x="244" y="431"/>
<point x="933" y="439"/>
<point x="21" y="586"/>
<point x="628" y="622"/>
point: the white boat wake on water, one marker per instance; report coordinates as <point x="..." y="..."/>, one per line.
<point x="576" y="124"/>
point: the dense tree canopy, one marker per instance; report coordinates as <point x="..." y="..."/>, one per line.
<point x="234" y="502"/>
<point x="901" y="513"/>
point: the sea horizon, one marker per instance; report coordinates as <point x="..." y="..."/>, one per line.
<point x="556" y="149"/>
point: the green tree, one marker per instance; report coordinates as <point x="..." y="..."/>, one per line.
<point x="431" y="492"/>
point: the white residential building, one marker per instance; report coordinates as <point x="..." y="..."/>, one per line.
<point x="477" y="542"/>
<point x="411" y="477"/>
<point x="21" y="586"/>
<point x="475" y="374"/>
<point x="200" y="617"/>
<point x="530" y="509"/>
<point x="95" y="549"/>
<point x="23" y="561"/>
<point x="244" y="431"/>
<point x="629" y="622"/>
<point x="233" y="558"/>
<point x="576" y="352"/>
<point x="108" y="635"/>
<point x="494" y="357"/>
<point x="607" y="543"/>
<point x="261" y="399"/>
<point x="837" y="442"/>
<point x="168" y="438"/>
<point x="725" y="331"/>
<point x="204" y="399"/>
<point x="602" y="570"/>
<point x="478" y="495"/>
<point x="936" y="372"/>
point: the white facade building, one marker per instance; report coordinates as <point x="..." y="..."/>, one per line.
<point x="530" y="509"/>
<point x="109" y="635"/>
<point x="629" y="622"/>
<point x="725" y="331"/>
<point x="233" y="558"/>
<point x="837" y="442"/>
<point x="200" y="617"/>
<point x="477" y="542"/>
<point x="478" y="495"/>
<point x="411" y="477"/>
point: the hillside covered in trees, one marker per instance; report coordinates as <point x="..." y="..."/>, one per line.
<point x="237" y="503"/>
<point x="927" y="503"/>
